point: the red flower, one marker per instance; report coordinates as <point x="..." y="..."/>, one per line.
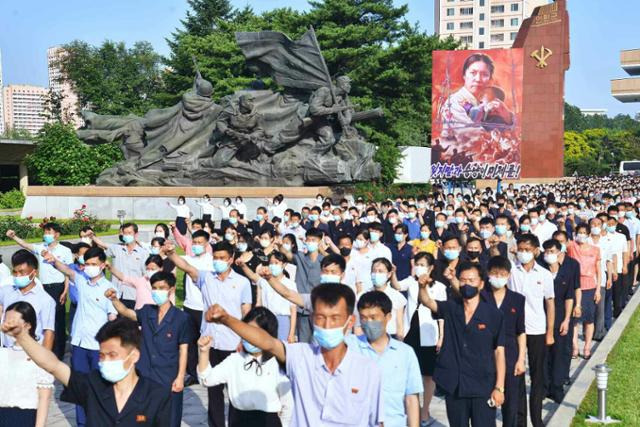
<point x="84" y="206"/>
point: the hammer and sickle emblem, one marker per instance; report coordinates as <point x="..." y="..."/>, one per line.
<point x="541" y="56"/>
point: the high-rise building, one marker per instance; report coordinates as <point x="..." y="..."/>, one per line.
<point x="68" y="98"/>
<point x="1" y="99"/>
<point x="628" y="89"/>
<point x="24" y="107"/>
<point x="483" y="24"/>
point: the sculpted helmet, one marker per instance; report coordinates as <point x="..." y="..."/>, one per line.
<point x="204" y="87"/>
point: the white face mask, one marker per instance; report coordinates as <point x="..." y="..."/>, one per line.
<point x="551" y="258"/>
<point x="498" y="282"/>
<point x="524" y="257"/>
<point x="92" y="271"/>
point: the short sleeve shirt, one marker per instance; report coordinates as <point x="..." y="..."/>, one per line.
<point x="42" y="303"/>
<point x="92" y="312"/>
<point x="47" y="272"/>
<point x="537" y="286"/>
<point x="129" y="264"/>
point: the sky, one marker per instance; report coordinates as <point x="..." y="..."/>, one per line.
<point x="599" y="29"/>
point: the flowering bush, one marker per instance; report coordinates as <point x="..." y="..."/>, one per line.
<point x="81" y="217"/>
<point x="23" y="227"/>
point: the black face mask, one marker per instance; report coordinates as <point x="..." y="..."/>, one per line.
<point x="473" y="254"/>
<point x="345" y="251"/>
<point x="468" y="291"/>
<point x="121" y="238"/>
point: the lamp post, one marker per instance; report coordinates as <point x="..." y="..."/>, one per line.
<point x="602" y="376"/>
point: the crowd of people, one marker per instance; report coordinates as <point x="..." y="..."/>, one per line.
<point x="347" y="312"/>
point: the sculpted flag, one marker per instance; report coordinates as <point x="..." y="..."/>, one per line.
<point x="293" y="64"/>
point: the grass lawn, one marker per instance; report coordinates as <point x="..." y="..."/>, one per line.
<point x="624" y="381"/>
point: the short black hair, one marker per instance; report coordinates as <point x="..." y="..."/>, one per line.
<point x="95" y="252"/>
<point x="334" y="259"/>
<point x="383" y="261"/>
<point x="375" y="226"/>
<point x="426" y="255"/>
<point x="28" y="314"/>
<point x="200" y="233"/>
<point x="163" y="276"/>
<point x="164" y="227"/>
<point x="156" y="259"/>
<point x="552" y="243"/>
<point x="160" y="240"/>
<point x="264" y="318"/>
<point x="23" y="256"/>
<point x="373" y="299"/>
<point x="52" y="226"/>
<point x="500" y="263"/>
<point x="332" y="293"/>
<point x="84" y="229"/>
<point x="125" y="329"/>
<point x="467" y="265"/>
<point x="314" y="232"/>
<point x="224" y="246"/>
<point x="279" y="256"/>
<point x="80" y="245"/>
<point x="530" y="238"/>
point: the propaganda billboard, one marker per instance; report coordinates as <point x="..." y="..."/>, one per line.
<point x="476" y="114"/>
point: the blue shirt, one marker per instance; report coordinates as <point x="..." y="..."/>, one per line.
<point x="400" y="375"/>
<point x="41" y="302"/>
<point x="414" y="227"/>
<point x="47" y="272"/>
<point x="161" y="342"/>
<point x="73" y="291"/>
<point x="401" y="258"/>
<point x="231" y="293"/>
<point x="92" y="312"/>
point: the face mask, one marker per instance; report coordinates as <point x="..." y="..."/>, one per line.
<point x="371" y="219"/>
<point x="312" y="246"/>
<point x="534" y="221"/>
<point x="337" y="218"/>
<point x="275" y="269"/>
<point x="525" y="228"/>
<point x="468" y="291"/>
<point x="233" y="220"/>
<point x="228" y="237"/>
<point x="551" y="211"/>
<point x="286" y="246"/>
<point x="420" y="270"/>
<point x="154" y="250"/>
<point x="313" y="217"/>
<point x="149" y="273"/>
<point x="113" y="370"/>
<point x="550" y="258"/>
<point x="329" y="278"/>
<point x="596" y="230"/>
<point x="329" y="338"/>
<point x="242" y="246"/>
<point x="571" y="211"/>
<point x="81" y="260"/>
<point x="197" y="249"/>
<point x="439" y="224"/>
<point x="127" y="238"/>
<point x="181" y="202"/>
<point x="564" y="248"/>
<point x="524" y="257"/>
<point x="473" y="254"/>
<point x="220" y="266"/>
<point x="250" y="348"/>
<point x="48" y="238"/>
<point x="611" y="228"/>
<point x="294" y="225"/>
<point x="542" y="218"/>
<point x="238" y="201"/>
<point x="449" y="212"/>
<point x="373" y="329"/>
<point x="459" y="220"/>
<point x="259" y="217"/>
<point x="359" y="244"/>
<point x="159" y="296"/>
<point x="582" y="238"/>
<point x="159" y="234"/>
<point x="92" y="271"/>
<point x="86" y="240"/>
<point x="422" y="205"/>
<point x="379" y="279"/>
<point x="393" y="220"/>
<point x="326" y="213"/>
<point x="21" y="281"/>
<point x="265" y="243"/>
<point x="345" y="251"/>
<point x="374" y="236"/>
<point x="412" y="215"/>
<point x="451" y="254"/>
<point x="582" y="205"/>
<point x="498" y="282"/>
<point x="501" y="230"/>
<point x="424" y="235"/>
<point x="399" y="237"/>
<point x="485" y="234"/>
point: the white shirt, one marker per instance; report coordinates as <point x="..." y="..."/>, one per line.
<point x="207" y="207"/>
<point x="619" y="247"/>
<point x="398" y="301"/>
<point x="248" y="391"/>
<point x="380" y="250"/>
<point x="537" y="286"/>
<point x="20" y="378"/>
<point x="544" y="231"/>
<point x="5" y="276"/>
<point x="429" y="332"/>
<point x="182" y="210"/>
<point x="277" y="210"/>
<point x="193" y="295"/>
<point x="224" y="211"/>
<point x="47" y="272"/>
<point x="350" y="274"/>
<point x="361" y="264"/>
<point x="272" y="300"/>
<point x="606" y="245"/>
<point x="241" y="207"/>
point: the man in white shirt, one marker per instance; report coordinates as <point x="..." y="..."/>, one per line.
<point x="544" y="229"/>
<point x="377" y="249"/>
<point x="600" y="238"/>
<point x="536" y="284"/>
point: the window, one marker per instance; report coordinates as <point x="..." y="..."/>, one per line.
<point x="514" y="22"/>
<point x="497" y="37"/>
<point x="450" y="26"/>
<point x="466" y="39"/>
<point x="497" y="23"/>
<point x="513" y="36"/>
<point x="514" y="7"/>
<point x="481" y="31"/>
<point x="465" y="11"/>
<point x="450" y="11"/>
<point x="497" y="9"/>
<point x="482" y="16"/>
<point x="481" y="3"/>
<point x="466" y="25"/>
<point x="481" y="45"/>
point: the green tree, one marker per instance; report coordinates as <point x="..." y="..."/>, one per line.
<point x="60" y="158"/>
<point x="111" y="78"/>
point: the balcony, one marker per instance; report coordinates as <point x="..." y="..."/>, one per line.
<point x="630" y="61"/>
<point x="626" y="90"/>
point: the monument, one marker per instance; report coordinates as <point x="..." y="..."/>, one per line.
<point x="304" y="135"/>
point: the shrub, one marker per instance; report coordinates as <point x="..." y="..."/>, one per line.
<point x="23" y="227"/>
<point x="13" y="199"/>
<point x="378" y="192"/>
<point x="81" y="217"/>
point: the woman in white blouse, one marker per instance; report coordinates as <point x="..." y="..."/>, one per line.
<point x="25" y="388"/>
<point x="207" y="208"/>
<point x="183" y="213"/>
<point x="259" y="393"/>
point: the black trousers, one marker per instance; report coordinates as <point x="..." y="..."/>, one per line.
<point x="537" y="352"/>
<point x="60" y="336"/>
<point x="619" y="294"/>
<point x="513" y="397"/>
<point x="181" y="225"/>
<point x="461" y="410"/>
<point x="238" y="418"/>
<point x="216" y="394"/>
<point x="195" y="320"/>
<point x="558" y="364"/>
<point x="206" y="217"/>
